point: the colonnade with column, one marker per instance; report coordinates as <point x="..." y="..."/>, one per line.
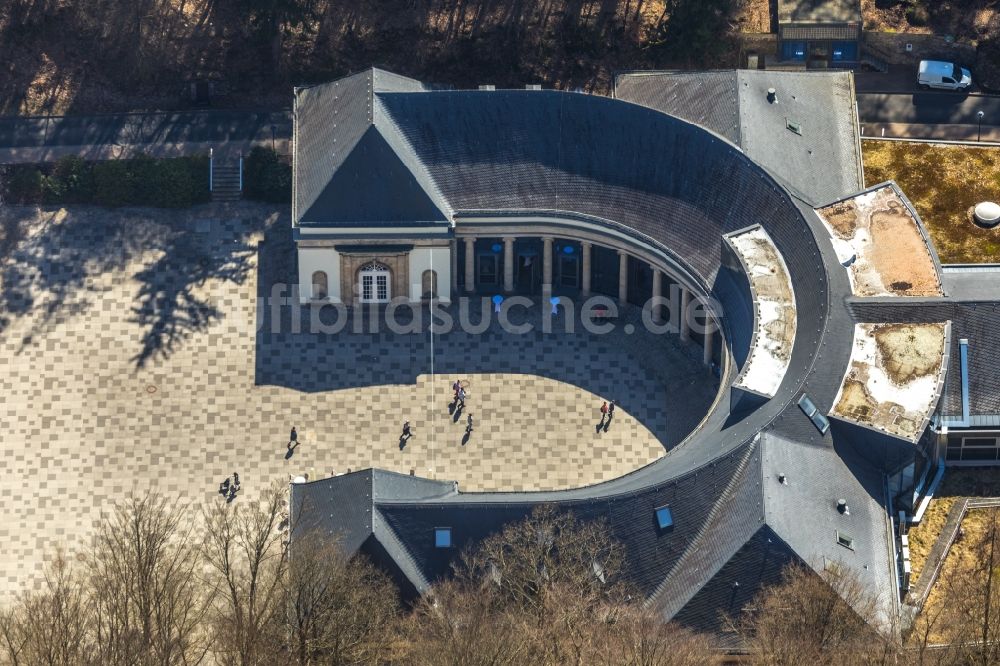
<point x="682" y="320"/>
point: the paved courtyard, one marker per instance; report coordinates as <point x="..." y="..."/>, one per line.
<point x="130" y="359"/>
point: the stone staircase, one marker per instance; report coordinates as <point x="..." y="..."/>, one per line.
<point x="226" y="182"/>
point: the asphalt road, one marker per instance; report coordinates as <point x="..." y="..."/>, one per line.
<point x="928" y="107"/>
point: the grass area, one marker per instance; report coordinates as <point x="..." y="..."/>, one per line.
<point x="958" y="482"/>
<point x="944" y="183"/>
<point x="961" y="559"/>
<point x="93" y="55"/>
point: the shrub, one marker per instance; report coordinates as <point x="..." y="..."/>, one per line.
<point x="172" y="185"/>
<point x="198" y="168"/>
<point x="53" y="190"/>
<point x="917" y="14"/>
<point x="23" y="184"/>
<point x="266" y="177"/>
<point x="139" y="181"/>
<point x="73" y="180"/>
<point x="113" y="185"/>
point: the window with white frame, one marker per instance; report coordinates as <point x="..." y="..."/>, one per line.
<point x="374" y="283"/>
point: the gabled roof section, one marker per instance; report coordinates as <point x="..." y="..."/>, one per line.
<point x="806" y="135"/>
<point x="350" y="163"/>
<point x="707" y="99"/>
<point x="802" y="484"/>
<point x="374" y="186"/>
<point x="342" y="508"/>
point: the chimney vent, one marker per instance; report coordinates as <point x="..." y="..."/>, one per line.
<point x="842" y="507"/>
<point x="772" y="95"/>
<point x="781" y="479"/>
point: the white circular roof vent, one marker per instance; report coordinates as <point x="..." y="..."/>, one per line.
<point x="299" y="479"/>
<point x="987" y="214"/>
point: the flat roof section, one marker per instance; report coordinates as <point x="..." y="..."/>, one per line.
<point x="774" y="312"/>
<point x="895" y="377"/>
<point x="877" y="238"/>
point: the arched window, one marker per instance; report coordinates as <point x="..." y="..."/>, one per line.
<point x="429" y="285"/>
<point x="374" y="282"/>
<point x="320" y="285"/>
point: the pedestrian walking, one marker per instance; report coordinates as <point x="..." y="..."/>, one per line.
<point x="461" y="396"/>
<point x="604" y="410"/>
<point x="407" y="433"/>
<point x="293" y="438"/>
<point x="456" y="387"/>
<point x="468" y="424"/>
<point x="611" y="409"/>
<point x="236" y="481"/>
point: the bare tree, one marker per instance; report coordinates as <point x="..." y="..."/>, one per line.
<point x="549" y="549"/>
<point x="972" y="599"/>
<point x="638" y="636"/>
<point x="49" y="627"/>
<point x="545" y="591"/>
<point x="463" y="624"/>
<point x="813" y="619"/>
<point x="147" y="602"/>
<point x="337" y="610"/>
<point x="247" y="557"/>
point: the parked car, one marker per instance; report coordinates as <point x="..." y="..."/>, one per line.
<point x="943" y="75"/>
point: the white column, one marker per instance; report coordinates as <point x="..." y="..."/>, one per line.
<point x="657" y="295"/>
<point x="508" y="264"/>
<point x="709" y="337"/>
<point x="622" y="277"/>
<point x="685" y="324"/>
<point x="585" y="285"/>
<point x="547" y="265"/>
<point x="470" y="264"/>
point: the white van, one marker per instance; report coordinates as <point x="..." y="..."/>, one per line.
<point x="943" y="75"/>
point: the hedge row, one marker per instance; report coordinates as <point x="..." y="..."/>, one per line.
<point x="138" y="181"/>
<point x="266" y="177"/>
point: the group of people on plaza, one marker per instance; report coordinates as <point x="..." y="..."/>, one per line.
<point x="230" y="486"/>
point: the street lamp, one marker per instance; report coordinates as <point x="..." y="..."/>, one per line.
<point x="979" y="134"/>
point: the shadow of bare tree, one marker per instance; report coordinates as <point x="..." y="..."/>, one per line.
<point x="169" y="306"/>
<point x="55" y="263"/>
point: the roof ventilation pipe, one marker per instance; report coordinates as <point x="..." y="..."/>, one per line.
<point x="842" y="507"/>
<point x="772" y="95"/>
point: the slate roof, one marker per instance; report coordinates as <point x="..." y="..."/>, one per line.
<point x="979" y="323"/>
<point x="349" y="164"/>
<point x="819" y="11"/>
<point x="673" y="186"/>
<point x="822" y="164"/>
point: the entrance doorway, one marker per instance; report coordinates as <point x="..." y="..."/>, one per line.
<point x="527" y="266"/>
<point x="566" y="267"/>
<point x="374" y="281"/>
